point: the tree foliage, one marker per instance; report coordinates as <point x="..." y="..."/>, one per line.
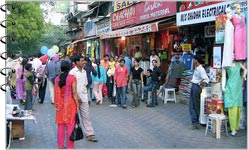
<point x="28" y="28"/>
<point x="30" y="31"/>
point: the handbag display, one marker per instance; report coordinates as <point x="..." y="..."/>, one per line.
<point x="77" y="133"/>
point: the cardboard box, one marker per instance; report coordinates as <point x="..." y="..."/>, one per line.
<point x="17" y="130"/>
<point x="215" y="106"/>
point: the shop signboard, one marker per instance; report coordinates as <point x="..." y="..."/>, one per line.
<point x="188" y="5"/>
<point x="203" y="14"/>
<point x="120" y="4"/>
<point x="124" y="17"/>
<point x="142" y="12"/>
<point x="103" y="26"/>
<point x="151" y="10"/>
<point x="89" y="29"/>
<point x="153" y="27"/>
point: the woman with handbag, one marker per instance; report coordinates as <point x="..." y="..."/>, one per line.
<point x="66" y="104"/>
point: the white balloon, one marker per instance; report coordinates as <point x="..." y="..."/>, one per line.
<point x="51" y="52"/>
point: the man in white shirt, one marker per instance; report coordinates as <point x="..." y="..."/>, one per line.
<point x="199" y="80"/>
<point x="81" y="78"/>
<point x="153" y="56"/>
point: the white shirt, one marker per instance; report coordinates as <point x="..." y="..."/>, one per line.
<point x="200" y="75"/>
<point x="154" y="58"/>
<point x="36" y="64"/>
<point x="82" y="82"/>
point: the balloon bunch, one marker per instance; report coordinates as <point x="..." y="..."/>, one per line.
<point x="48" y="53"/>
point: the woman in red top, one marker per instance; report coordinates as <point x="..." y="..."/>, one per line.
<point x="121" y="78"/>
<point x="66" y="104"/>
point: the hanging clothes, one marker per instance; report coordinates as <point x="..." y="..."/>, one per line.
<point x="187" y="58"/>
<point x="239" y="37"/>
<point x="228" y="44"/>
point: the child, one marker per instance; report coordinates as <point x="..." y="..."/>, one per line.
<point x="29" y="87"/>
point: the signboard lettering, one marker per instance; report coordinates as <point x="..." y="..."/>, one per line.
<point x="142" y="12"/>
<point x="123" y="17"/>
<point x="131" y="31"/>
<point x="199" y="15"/>
<point x="120" y="4"/>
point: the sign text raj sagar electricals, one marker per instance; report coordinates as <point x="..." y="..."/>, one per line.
<point x="204" y="13"/>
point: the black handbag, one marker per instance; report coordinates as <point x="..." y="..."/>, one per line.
<point x="77" y="133"/>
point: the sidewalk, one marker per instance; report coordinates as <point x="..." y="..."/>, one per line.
<point x="164" y="126"/>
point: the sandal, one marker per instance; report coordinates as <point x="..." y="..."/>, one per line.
<point x="91" y="138"/>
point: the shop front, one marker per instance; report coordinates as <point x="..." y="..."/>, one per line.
<point x="93" y="44"/>
<point x="142" y="25"/>
<point x="202" y="31"/>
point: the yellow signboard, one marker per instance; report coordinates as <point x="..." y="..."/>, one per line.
<point x="186" y="47"/>
<point x="119" y="4"/>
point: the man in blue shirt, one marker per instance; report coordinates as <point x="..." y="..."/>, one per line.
<point x="128" y="64"/>
<point x="52" y="70"/>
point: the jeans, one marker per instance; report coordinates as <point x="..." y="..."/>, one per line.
<point x="146" y="90"/>
<point x="154" y="92"/>
<point x="136" y="87"/>
<point x="194" y="103"/>
<point x="29" y="97"/>
<point x="121" y="95"/>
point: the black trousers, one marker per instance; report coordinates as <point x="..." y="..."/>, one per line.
<point x="110" y="84"/>
<point x="42" y="89"/>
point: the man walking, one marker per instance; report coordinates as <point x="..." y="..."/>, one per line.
<point x="81" y="78"/>
<point x="52" y="70"/>
<point x="199" y="79"/>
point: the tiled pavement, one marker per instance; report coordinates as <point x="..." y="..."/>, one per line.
<point x="164" y="126"/>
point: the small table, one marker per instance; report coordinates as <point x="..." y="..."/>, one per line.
<point x="17" y="127"/>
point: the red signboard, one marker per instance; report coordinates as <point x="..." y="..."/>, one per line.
<point x="153" y="27"/>
<point x="188" y="5"/>
<point x="123" y="17"/>
<point x="142" y="12"/>
<point x="151" y="10"/>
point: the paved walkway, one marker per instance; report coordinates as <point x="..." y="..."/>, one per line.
<point x="164" y="126"/>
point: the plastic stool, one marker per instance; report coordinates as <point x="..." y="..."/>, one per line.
<point x="169" y="97"/>
<point x="219" y="118"/>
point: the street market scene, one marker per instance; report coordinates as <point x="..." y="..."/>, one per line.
<point x="125" y="74"/>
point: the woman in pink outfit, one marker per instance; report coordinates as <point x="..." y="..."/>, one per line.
<point x="120" y="80"/>
<point x="21" y="82"/>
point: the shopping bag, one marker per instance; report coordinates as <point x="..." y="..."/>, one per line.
<point x="104" y="90"/>
<point x="77" y="133"/>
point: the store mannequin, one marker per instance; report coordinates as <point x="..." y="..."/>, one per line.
<point x="239" y="34"/>
<point x="228" y="41"/>
<point x="232" y="88"/>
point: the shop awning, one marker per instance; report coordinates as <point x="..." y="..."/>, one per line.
<point x="146" y="28"/>
<point x="85" y="39"/>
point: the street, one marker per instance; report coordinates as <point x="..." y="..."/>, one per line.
<point x="164" y="126"/>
